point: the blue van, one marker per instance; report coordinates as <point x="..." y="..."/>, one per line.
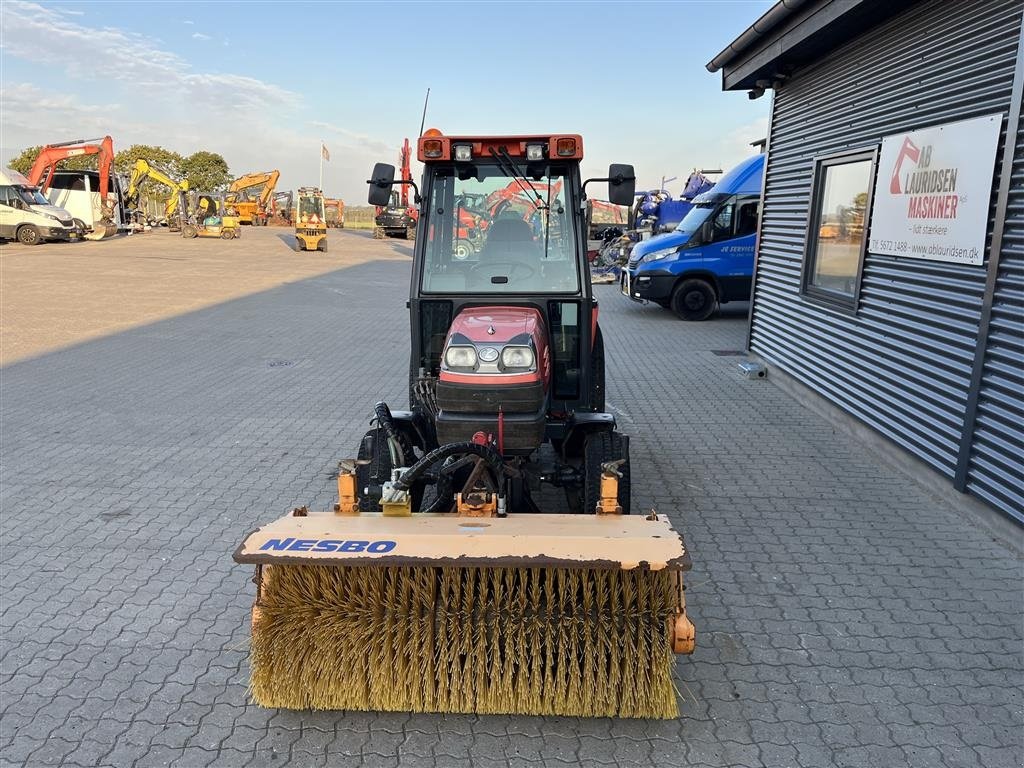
<point x="709" y="258"/>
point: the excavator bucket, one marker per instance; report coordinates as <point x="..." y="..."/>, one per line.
<point x="544" y="614"/>
<point x="101" y="231"/>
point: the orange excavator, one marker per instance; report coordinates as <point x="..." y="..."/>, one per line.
<point x="41" y="175"/>
<point x="254" y="207"/>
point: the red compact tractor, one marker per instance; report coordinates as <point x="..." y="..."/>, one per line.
<point x="507" y="354"/>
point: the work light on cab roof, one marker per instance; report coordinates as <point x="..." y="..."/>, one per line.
<point x="436" y="147"/>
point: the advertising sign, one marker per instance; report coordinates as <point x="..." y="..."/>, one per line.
<point x="932" y="191"/>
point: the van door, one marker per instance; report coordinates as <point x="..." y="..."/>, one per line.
<point x="730" y="255"/>
<point x="10" y="216"/>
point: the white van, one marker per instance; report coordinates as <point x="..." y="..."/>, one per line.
<point x="78" y="193"/>
<point x="27" y="216"/>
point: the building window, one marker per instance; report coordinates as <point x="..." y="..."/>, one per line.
<point x="837" y="227"/>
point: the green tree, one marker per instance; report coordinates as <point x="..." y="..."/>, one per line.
<point x="166" y="160"/>
<point x="22" y="162"/>
<point x="206" y="171"/>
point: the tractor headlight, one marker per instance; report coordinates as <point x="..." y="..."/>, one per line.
<point x="463" y="153"/>
<point x="534" y="152"/>
<point x="460" y="357"/>
<point x="517" y="357"/>
<point x="664" y="253"/>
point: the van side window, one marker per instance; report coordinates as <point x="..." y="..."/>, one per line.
<point x="5" y="196"/>
<point x="746" y="216"/>
<point x="721" y="224"/>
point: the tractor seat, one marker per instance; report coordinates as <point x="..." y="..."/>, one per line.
<point x="508" y="239"/>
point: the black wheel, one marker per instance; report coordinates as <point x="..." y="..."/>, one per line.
<point x="189" y="230"/>
<point x="410" y="233"/>
<point x="322" y="246"/>
<point x="597" y="373"/>
<point x="694" y="299"/>
<point x="28" y="235"/>
<point x="227" y="234"/>
<point x="598" y="448"/>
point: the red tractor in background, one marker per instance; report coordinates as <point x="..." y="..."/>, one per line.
<point x="398" y="218"/>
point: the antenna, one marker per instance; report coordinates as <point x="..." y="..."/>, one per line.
<point x="423" y="120"/>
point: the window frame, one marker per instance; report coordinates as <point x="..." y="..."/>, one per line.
<point x="809" y="291"/>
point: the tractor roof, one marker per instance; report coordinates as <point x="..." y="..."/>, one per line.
<point x="433" y="146"/>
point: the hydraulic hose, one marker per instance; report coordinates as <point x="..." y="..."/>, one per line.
<point x="443" y="491"/>
<point x="485" y="452"/>
<point x="395" y="438"/>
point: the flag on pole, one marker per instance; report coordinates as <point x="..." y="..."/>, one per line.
<point x="323" y="151"/>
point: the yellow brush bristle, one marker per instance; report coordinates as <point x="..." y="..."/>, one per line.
<point x="589" y="643"/>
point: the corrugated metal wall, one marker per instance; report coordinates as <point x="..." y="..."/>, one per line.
<point x="997" y="456"/>
<point x="903" y="363"/>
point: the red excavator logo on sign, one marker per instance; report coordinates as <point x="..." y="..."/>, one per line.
<point x="909" y="151"/>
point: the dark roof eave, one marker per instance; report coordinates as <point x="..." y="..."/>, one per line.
<point x="772" y="18"/>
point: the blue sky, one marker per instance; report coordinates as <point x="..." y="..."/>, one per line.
<point x="263" y="83"/>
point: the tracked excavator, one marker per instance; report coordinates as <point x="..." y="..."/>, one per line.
<point x="102" y="222"/>
<point x="252" y="196"/>
<point x="143" y="170"/>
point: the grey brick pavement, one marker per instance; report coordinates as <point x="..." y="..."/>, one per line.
<point x="845" y="617"/>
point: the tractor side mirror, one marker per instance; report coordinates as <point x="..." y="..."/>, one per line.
<point x="380" y="184"/>
<point x="621" y="184"/>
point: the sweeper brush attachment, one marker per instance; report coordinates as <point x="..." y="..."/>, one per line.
<point x="536" y="614"/>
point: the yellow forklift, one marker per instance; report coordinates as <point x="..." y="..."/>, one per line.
<point x="310" y="221"/>
<point x="209" y="216"/>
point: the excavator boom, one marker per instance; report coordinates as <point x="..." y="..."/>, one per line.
<point x="250" y="210"/>
<point x="46" y="162"/>
<point x="143" y="170"/>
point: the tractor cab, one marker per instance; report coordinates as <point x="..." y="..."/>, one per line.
<point x="505" y="344"/>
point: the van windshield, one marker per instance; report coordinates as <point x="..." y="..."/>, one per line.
<point x="488" y="231"/>
<point x="31" y="195"/>
<point x="695" y="217"/>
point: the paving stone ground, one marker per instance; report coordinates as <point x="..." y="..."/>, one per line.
<point x="845" y="616"/>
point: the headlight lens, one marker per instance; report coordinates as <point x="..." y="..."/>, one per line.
<point x="517" y="357"/>
<point x="659" y="255"/>
<point x="460" y="357"/>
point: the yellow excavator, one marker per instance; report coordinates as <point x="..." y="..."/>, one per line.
<point x="143" y="170"/>
<point x="253" y="206"/>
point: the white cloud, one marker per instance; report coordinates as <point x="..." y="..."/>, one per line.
<point x="69" y="12"/>
<point x="40" y="35"/>
<point x="353" y="139"/>
<point x="200" y="36"/>
<point x="186" y="21"/>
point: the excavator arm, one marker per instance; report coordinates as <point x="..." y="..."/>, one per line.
<point x="249" y="209"/>
<point x="143" y="170"/>
<point x="46" y="162"/>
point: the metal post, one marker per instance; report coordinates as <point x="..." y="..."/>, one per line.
<point x="963" y="463"/>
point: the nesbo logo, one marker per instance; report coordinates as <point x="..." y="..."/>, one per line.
<point x="291" y="544"/>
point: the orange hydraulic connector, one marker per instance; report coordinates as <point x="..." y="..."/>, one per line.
<point x="684" y="636"/>
<point x="348" y="501"/>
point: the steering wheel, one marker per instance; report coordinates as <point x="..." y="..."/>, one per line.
<point x="492" y="266"/>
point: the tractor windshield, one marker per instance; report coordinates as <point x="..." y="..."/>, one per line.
<point x="490" y="232"/>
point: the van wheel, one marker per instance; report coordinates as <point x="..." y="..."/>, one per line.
<point x="28" y="235"/>
<point x="694" y="299"/>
